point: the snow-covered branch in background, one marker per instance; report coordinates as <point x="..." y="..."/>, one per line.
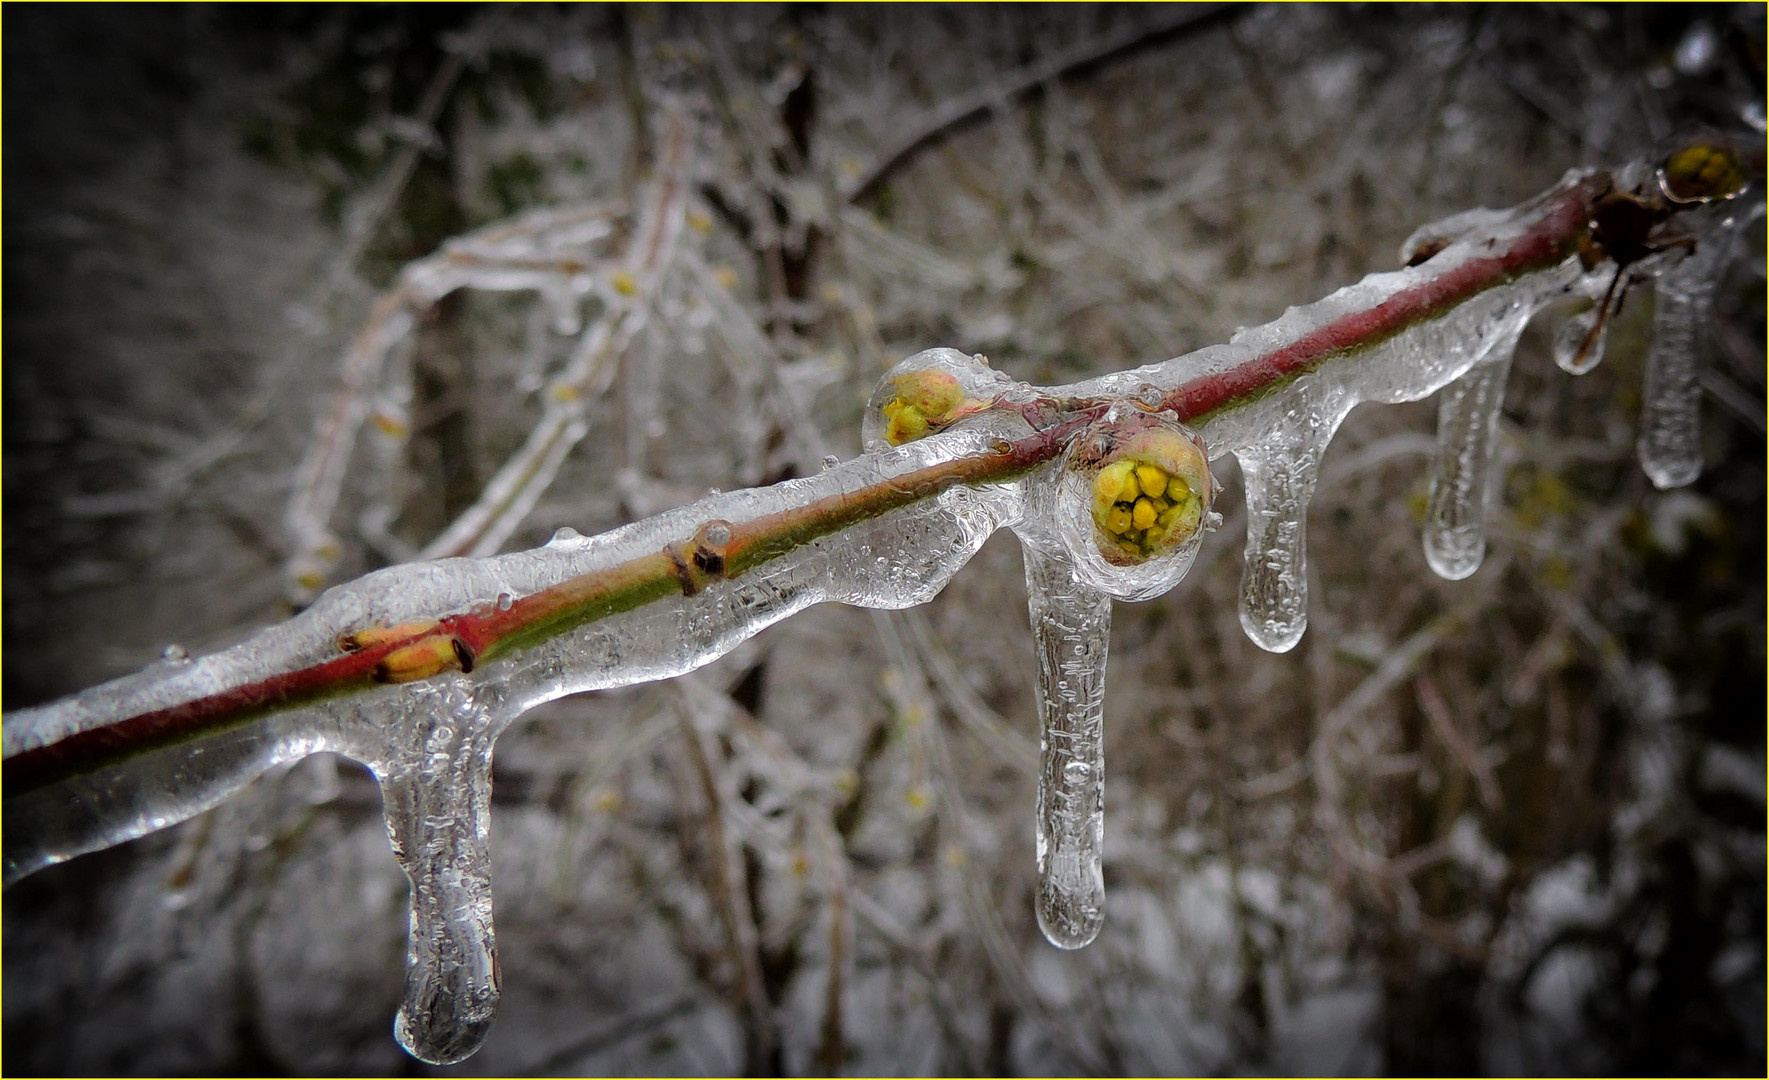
<point x="416" y="670"/>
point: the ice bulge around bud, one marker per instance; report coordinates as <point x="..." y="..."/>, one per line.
<point x="1134" y="504"/>
<point x="926" y="393"/>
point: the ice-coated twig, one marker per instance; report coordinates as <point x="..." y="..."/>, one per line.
<point x="1407" y="333"/>
<point x="948" y="116"/>
<point x="416" y="669"/>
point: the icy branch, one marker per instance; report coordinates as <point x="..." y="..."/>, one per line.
<point x="415" y="670"/>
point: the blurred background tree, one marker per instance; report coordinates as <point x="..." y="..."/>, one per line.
<point x="1564" y="769"/>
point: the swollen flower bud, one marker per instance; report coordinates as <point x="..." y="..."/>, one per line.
<point x="1134" y="503"/>
<point x="927" y="393"/>
<point x="1702" y="172"/>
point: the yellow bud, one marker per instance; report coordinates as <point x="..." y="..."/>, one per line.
<point x="1143" y="515"/>
<point x="1703" y="172"/>
<point x="906" y="425"/>
<point x="1108" y="486"/>
<point x="1151" y="479"/>
<point x="726" y="277"/>
<point x="421" y="659"/>
<point x="934" y="393"/>
<point x="917" y="797"/>
<point x="699" y="222"/>
<point x="625" y="283"/>
<point x="1186" y="518"/>
<point x="1117" y="519"/>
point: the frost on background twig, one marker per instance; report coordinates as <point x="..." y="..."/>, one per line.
<point x="555" y="252"/>
<point x="416" y="670"/>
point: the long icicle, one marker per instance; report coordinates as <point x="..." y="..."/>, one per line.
<point x="1071" y="627"/>
<point x="436" y="795"/>
<point x="1670" y="417"/>
<point x="1467" y="421"/>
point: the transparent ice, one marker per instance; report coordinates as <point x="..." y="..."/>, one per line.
<point x="1467" y="421"/>
<point x="430" y="742"/>
<point x="1578" y="343"/>
<point x="1071" y="627"/>
<point x="1670" y="436"/>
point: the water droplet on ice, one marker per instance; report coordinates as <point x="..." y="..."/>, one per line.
<point x="1151" y="396"/>
<point x="1578" y="344"/>
<point x="563" y="535"/>
<point x="505" y="601"/>
<point x="830" y="461"/>
<point x="175" y="654"/>
<point x="718" y="534"/>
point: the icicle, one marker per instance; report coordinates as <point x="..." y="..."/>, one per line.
<point x="437" y="800"/>
<point x="1071" y="625"/>
<point x="1278" y="476"/>
<point x="1467" y="419"/>
<point x="1670" y="433"/>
